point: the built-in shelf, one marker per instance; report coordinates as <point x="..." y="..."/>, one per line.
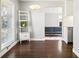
<point x="24" y="25"/>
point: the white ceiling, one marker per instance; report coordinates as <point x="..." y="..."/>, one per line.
<point x="24" y="4"/>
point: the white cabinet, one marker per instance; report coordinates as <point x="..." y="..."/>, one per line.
<point x="24" y="25"/>
<point x="24" y="36"/>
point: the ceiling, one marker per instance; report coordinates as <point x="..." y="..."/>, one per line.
<point x="24" y="4"/>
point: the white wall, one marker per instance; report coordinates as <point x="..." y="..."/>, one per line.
<point x="68" y="21"/>
<point x="52" y="16"/>
<point x="38" y="23"/>
<point x="68" y="8"/>
<point x="16" y="4"/>
<point x="0" y="24"/>
<point x="68" y="12"/>
<point x="51" y="20"/>
<point x="76" y="28"/>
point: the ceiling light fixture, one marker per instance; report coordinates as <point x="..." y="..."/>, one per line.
<point x="35" y="7"/>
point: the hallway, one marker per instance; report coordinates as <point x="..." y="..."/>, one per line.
<point x="41" y="49"/>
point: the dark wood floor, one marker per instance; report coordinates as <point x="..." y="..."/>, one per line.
<point x="39" y="49"/>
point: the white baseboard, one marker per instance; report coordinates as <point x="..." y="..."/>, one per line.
<point x="53" y="38"/>
<point x="65" y="41"/>
<point x="35" y="39"/>
<point x="7" y="49"/>
<point x="46" y="38"/>
<point x="75" y="52"/>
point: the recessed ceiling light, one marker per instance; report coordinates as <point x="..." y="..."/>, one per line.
<point x="35" y="7"/>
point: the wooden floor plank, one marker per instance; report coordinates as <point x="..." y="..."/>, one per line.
<point x="41" y="49"/>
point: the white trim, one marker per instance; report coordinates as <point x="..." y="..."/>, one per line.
<point x="6" y="44"/>
<point x="53" y="38"/>
<point x="65" y="41"/>
<point x="75" y="52"/>
<point x="7" y="49"/>
<point x="35" y="39"/>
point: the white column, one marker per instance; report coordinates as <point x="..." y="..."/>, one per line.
<point x="68" y="11"/>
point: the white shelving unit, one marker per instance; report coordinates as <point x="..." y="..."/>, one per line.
<point x="24" y="27"/>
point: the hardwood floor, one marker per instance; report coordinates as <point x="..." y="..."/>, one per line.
<point x="41" y="49"/>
